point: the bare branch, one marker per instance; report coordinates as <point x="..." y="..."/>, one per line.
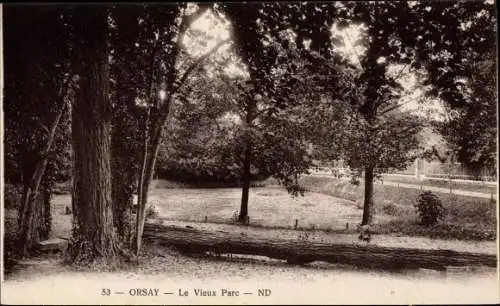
<point x="435" y="152"/>
<point x="401" y="71"/>
<point x="43" y="126"/>
<point x="182" y="80"/>
<point x="395" y="107"/>
<point x="400" y="104"/>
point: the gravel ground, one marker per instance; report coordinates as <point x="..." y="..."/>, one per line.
<point x="49" y="282"/>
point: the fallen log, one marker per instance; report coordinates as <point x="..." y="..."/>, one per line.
<point x="300" y="252"/>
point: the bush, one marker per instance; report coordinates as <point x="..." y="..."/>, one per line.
<point x="152" y="212"/>
<point x="12" y="196"/>
<point x="234" y="217"/>
<point x="390" y="209"/>
<point x="430" y="208"/>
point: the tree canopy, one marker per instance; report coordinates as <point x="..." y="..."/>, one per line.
<point x="150" y="93"/>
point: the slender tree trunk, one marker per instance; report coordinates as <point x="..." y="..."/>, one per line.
<point x="142" y="193"/>
<point x="246" y="183"/>
<point x="368" y="201"/>
<point x="247" y="162"/>
<point x="47" y="215"/>
<point x="152" y="146"/>
<point x="93" y="232"/>
<point x="145" y="181"/>
<point x="27" y="220"/>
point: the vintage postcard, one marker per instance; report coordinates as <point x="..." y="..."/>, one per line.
<point x="217" y="153"/>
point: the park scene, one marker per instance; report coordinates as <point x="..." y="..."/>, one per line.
<point x="328" y="146"/>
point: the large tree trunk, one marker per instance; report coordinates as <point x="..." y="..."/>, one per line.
<point x="191" y="240"/>
<point x="368" y="201"/>
<point x="93" y="231"/>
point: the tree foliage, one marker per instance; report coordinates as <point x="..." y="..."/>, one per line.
<point x="295" y="96"/>
<point x="37" y="89"/>
<point x="35" y="82"/>
<point x="460" y="74"/>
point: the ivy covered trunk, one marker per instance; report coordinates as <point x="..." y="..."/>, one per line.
<point x="368" y="201"/>
<point x="122" y="195"/>
<point x="123" y="168"/>
<point x="93" y="230"/>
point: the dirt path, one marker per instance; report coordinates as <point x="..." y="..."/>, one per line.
<point x="47" y="282"/>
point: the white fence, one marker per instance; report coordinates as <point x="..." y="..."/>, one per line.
<point x="435" y="170"/>
<point x="422" y="169"/>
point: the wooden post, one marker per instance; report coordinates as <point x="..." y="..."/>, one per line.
<point x="417" y="169"/>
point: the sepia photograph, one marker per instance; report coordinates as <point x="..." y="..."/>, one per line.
<point x="235" y="153"/>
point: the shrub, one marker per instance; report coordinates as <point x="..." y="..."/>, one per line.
<point x="152" y="212"/>
<point x="12" y="196"/>
<point x="234" y="217"/>
<point x="430" y="208"/>
<point x="390" y="209"/>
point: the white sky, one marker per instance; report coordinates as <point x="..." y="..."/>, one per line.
<point x="216" y="30"/>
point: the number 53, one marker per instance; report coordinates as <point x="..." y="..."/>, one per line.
<point x="106" y="291"/>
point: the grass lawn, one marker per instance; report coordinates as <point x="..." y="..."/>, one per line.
<point x="465" y="217"/>
<point x="330" y="205"/>
<point x="268" y="207"/>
